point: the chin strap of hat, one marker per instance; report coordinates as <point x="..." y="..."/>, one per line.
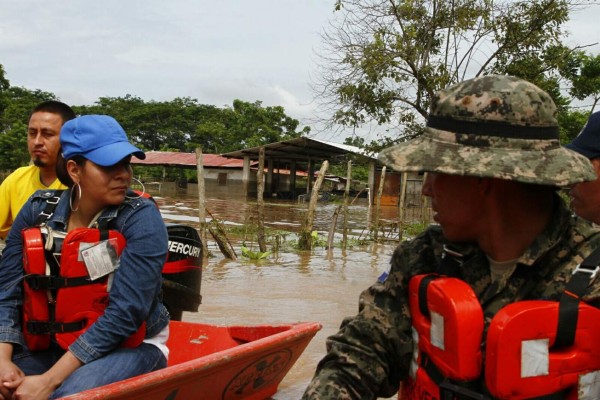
<point x="568" y="310"/>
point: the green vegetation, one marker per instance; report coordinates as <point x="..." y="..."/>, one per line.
<point x="254" y="255"/>
<point x="278" y="240"/>
<point x="181" y="124"/>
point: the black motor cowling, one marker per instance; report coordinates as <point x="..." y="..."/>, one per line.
<point x="182" y="273"/>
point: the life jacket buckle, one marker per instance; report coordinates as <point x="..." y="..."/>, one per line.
<point x="588" y="270"/>
<point x="53" y="200"/>
<point x="448" y="250"/>
<point x="46" y="216"/>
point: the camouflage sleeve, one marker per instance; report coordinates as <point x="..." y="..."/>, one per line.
<point x="371" y="353"/>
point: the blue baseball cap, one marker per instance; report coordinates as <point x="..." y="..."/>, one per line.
<point x="98" y="138"/>
<point x="587" y="143"/>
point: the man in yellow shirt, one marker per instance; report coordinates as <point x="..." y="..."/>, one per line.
<point x="43" y="130"/>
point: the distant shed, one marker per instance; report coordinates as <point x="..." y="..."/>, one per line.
<point x="220" y="169"/>
<point x="284" y="161"/>
<point x="301" y="153"/>
<point x="186" y="160"/>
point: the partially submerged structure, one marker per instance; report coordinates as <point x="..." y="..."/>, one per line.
<point x="294" y="155"/>
<point x="290" y="167"/>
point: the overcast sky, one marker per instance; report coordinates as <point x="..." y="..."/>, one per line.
<point x="212" y="50"/>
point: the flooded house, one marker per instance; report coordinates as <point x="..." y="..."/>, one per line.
<point x="290" y="168"/>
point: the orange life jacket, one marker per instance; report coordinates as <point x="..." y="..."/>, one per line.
<point x="447" y="328"/>
<point x="66" y="302"/>
<point x="521" y="359"/>
<point x="522" y="362"/>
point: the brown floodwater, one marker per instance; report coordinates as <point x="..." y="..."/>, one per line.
<point x="288" y="286"/>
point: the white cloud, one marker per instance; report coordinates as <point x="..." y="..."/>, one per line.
<point x="214" y="51"/>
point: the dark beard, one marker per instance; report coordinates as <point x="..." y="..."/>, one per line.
<point x="39" y="163"/>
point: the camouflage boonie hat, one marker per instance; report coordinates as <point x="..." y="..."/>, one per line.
<point x="493" y="126"/>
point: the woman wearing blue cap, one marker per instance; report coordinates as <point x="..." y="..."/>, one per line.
<point x="81" y="274"/>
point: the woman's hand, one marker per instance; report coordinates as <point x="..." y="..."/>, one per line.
<point x="40" y="387"/>
<point x="34" y="387"/>
<point x="11" y="377"/>
<point x="10" y="374"/>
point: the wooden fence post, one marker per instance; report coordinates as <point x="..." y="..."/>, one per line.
<point x="260" y="202"/>
<point x="305" y="238"/>
<point x="401" y="206"/>
<point x="378" y="203"/>
<point x="201" y="202"/>
<point x="346" y="199"/>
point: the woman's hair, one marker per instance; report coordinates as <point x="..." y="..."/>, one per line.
<point x="61" y="168"/>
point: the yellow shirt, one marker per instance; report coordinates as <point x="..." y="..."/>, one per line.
<point x="15" y="190"/>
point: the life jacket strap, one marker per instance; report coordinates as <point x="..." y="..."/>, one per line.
<point x="52" y="327"/>
<point x="568" y="309"/>
<point x="47" y="282"/>
<point x="51" y="204"/>
<point x="449" y="390"/>
<point x="423" y="307"/>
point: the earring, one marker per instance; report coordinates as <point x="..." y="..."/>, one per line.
<point x="78" y="197"/>
<point x="140" y="194"/>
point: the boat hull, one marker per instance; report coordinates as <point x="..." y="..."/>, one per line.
<point x="217" y="362"/>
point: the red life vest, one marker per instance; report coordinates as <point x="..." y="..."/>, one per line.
<point x="447" y="327"/>
<point x="66" y="303"/>
<point x="520" y="359"/>
<point x="520" y="362"/>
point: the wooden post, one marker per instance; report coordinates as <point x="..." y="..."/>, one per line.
<point x="293" y="179"/>
<point x="401" y="205"/>
<point x="246" y="175"/>
<point x="346" y="199"/>
<point x="378" y="203"/>
<point x="331" y="233"/>
<point x="305" y="238"/>
<point x="218" y="233"/>
<point x="260" y="180"/>
<point x="425" y="217"/>
<point x="201" y="202"/>
<point x="310" y="176"/>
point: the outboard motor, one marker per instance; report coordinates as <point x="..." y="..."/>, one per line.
<point x="182" y="273"/>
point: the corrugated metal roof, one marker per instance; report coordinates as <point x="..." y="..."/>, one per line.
<point x="298" y="149"/>
<point x="302" y="148"/>
<point x="170" y="158"/>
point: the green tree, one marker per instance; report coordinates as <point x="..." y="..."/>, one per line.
<point x="4" y="85"/>
<point x="183" y="124"/>
<point x="383" y="60"/>
<point x="253" y="125"/>
<point x="586" y="79"/>
<point x="570" y="123"/>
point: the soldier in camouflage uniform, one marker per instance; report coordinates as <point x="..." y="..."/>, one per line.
<point x="585" y="196"/>
<point x="494" y="162"/>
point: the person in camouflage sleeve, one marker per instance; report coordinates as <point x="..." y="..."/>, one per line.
<point x="494" y="163"/>
<point x="585" y="196"/>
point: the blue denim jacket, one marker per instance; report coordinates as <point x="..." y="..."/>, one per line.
<point x="135" y="292"/>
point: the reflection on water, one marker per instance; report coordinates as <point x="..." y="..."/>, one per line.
<point x="286" y="287"/>
<point x="282" y="214"/>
